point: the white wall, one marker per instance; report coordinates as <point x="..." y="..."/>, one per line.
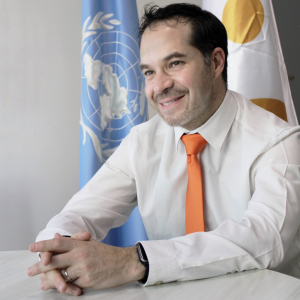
<point x="39" y="113"/>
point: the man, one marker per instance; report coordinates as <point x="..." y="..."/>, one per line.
<point x="250" y="172"/>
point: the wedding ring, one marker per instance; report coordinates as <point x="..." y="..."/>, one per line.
<point x="65" y="275"/>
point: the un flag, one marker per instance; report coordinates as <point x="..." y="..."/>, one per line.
<point x="112" y="97"/>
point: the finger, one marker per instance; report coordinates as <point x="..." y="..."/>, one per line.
<point x="82" y="236"/>
<point x="46" y="258"/>
<point x="80" y="277"/>
<point x="71" y="271"/>
<point x="59" y="261"/>
<point x="71" y="289"/>
<point x="46" y="284"/>
<point x="48" y="281"/>
<point x="43" y="277"/>
<point x="55" y="280"/>
<point x="58" y="236"/>
<point x="55" y="245"/>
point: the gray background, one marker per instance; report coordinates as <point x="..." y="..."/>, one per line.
<point x="288" y="24"/>
<point x="40" y="102"/>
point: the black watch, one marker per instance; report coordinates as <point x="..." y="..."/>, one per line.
<point x="144" y="261"/>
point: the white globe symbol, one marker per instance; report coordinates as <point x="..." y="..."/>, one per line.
<point x="120" y="51"/>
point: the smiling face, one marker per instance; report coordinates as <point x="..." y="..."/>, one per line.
<point x="179" y="85"/>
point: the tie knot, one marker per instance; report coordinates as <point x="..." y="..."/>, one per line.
<point x="194" y="143"/>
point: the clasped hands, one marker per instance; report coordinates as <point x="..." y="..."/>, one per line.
<point x="88" y="263"/>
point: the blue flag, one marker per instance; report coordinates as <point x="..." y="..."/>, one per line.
<point x="112" y="93"/>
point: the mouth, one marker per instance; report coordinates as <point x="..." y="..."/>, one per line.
<point x="171" y="101"/>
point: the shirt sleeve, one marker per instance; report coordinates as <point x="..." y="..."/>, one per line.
<point x="105" y="202"/>
<point x="262" y="238"/>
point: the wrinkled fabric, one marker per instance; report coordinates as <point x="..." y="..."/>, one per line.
<point x="251" y="189"/>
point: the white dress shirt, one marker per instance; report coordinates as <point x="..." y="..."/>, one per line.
<point x="251" y="182"/>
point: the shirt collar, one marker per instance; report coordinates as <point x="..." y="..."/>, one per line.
<point x="215" y="130"/>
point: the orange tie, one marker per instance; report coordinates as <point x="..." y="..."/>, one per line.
<point x="194" y="215"/>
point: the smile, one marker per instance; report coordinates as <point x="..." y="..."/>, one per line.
<point x="168" y="103"/>
<point x="172" y="101"/>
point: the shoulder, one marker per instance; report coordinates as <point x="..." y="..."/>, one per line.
<point x="150" y="130"/>
<point x="259" y="122"/>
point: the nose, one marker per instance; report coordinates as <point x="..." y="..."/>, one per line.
<point x="162" y="82"/>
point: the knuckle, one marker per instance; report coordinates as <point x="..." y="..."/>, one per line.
<point x="47" y="287"/>
<point x="84" y="255"/>
<point x="74" y="243"/>
<point x="47" y="254"/>
<point x="88" y="278"/>
<point x="43" y="277"/>
<point x="59" y="283"/>
<point x="51" y="275"/>
<point x="57" y="243"/>
<point x="54" y="260"/>
<point x="77" y="256"/>
<point x="45" y="257"/>
<point x="81" y="255"/>
<point x="84" y="268"/>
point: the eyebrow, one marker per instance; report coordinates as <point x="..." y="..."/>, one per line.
<point x="175" y="54"/>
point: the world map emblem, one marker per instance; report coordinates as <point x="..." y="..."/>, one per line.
<point x="113" y="99"/>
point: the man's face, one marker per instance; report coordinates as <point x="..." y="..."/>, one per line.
<point x="179" y="85"/>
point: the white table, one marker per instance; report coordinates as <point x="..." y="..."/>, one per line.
<point x="256" y="285"/>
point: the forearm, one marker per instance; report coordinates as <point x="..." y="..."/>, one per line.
<point x="200" y="255"/>
<point x="105" y="202"/>
<point x="258" y="241"/>
<point x="196" y="256"/>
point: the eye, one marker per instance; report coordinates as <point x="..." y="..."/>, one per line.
<point x="175" y="63"/>
<point x="148" y="73"/>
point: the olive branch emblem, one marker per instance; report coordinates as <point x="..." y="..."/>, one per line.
<point x="98" y="22"/>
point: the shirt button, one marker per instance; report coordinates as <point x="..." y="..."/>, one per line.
<point x="158" y="282"/>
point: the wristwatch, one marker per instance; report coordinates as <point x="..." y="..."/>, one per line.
<point x="144" y="261"/>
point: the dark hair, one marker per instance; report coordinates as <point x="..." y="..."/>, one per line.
<point x="208" y="32"/>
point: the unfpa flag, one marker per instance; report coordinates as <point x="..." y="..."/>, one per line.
<point x="112" y="95"/>
<point x="256" y="66"/>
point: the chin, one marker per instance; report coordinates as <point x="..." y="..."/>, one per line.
<point x="174" y="121"/>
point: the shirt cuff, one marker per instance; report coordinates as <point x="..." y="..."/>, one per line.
<point x="163" y="264"/>
<point x="48" y="234"/>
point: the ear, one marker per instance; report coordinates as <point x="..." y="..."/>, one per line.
<point x="218" y="62"/>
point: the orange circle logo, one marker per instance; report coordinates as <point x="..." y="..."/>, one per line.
<point x="243" y="20"/>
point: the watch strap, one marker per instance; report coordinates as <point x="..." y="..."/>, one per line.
<point x="144" y="261"/>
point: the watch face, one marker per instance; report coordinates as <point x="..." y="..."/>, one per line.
<point x="142" y="254"/>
